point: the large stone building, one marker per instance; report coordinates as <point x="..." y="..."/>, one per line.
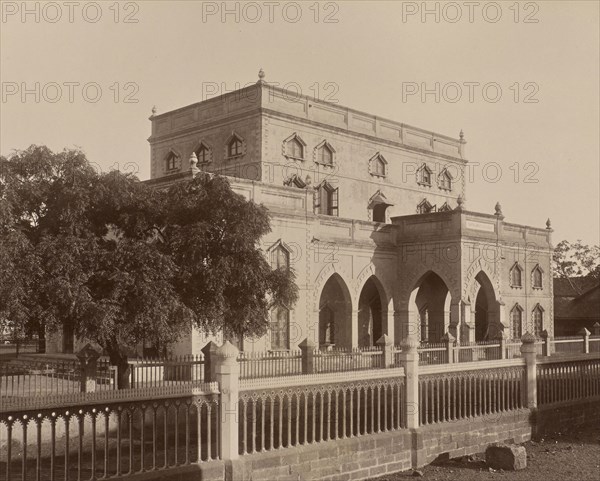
<point x="370" y="213"/>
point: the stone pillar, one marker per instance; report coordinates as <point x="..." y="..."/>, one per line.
<point x="546" y="343"/>
<point x="209" y="361"/>
<point x="502" y="340"/>
<point x="449" y="340"/>
<point x="467" y="326"/>
<point x="409" y="358"/>
<point x="227" y="373"/>
<point x="387" y="346"/>
<point x="88" y="358"/>
<point x="391" y="325"/>
<point x="455" y="318"/>
<point x="354" y="331"/>
<point x="596" y="329"/>
<point x="586" y="340"/>
<point x="530" y="388"/>
<point x="308" y="347"/>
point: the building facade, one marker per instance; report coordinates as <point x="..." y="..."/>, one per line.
<point x="370" y="213"/>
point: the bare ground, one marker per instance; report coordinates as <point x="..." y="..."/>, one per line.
<point x="573" y="455"/>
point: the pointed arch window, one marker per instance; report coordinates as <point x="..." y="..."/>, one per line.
<point x="537" y="318"/>
<point x="280" y="328"/>
<point x="234" y="147"/>
<point x="326" y="200"/>
<point x="516" y="276"/>
<point x="294" y="147"/>
<point x="516" y="322"/>
<point x="326" y="326"/>
<point x="280" y="257"/>
<point x="537" y="277"/>
<point x="445" y="180"/>
<point x="172" y="161"/>
<point x="425" y="207"/>
<point x="324" y="154"/>
<point x="424" y="175"/>
<point x="378" y="166"/>
<point x="203" y="153"/>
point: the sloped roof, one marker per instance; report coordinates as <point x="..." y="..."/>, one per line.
<point x="573" y="286"/>
<point x="571" y="305"/>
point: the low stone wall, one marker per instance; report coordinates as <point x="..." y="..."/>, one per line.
<point x="564" y="417"/>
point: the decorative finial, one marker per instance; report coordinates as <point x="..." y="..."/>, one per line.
<point x="261" y="75"/>
<point x="548" y="224"/>
<point x="154" y="110"/>
<point x="460" y="201"/>
<point x="498" y="209"/>
<point x="461" y="135"/>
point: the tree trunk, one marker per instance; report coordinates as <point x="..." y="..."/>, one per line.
<point x="119" y="360"/>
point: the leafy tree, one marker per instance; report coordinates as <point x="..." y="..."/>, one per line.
<point x="121" y="263"/>
<point x="576" y="260"/>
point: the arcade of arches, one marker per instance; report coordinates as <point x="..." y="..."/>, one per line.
<point x="430" y="309"/>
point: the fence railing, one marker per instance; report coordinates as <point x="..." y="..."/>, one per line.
<point x="146" y="372"/>
<point x="111" y="434"/>
<point x="458" y="395"/>
<point x="560" y="381"/>
<point x="27" y="377"/>
<point x="118" y="433"/>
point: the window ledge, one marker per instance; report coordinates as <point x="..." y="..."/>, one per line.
<point x="539" y="288"/>
<point x="290" y="157"/>
<point x="424" y="184"/>
<point x="516" y="287"/>
<point x="324" y="164"/>
<point x="373" y="174"/>
<point x="233" y="157"/>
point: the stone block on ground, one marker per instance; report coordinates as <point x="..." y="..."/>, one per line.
<point x="508" y="457"/>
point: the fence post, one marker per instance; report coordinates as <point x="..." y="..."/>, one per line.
<point x="586" y="340"/>
<point x="387" y="348"/>
<point x="596" y="329"/>
<point x="308" y="347"/>
<point x="530" y="388"/>
<point x="88" y="358"/>
<point x="409" y="357"/>
<point x="449" y="340"/>
<point x="227" y="373"/>
<point x="502" y="340"/>
<point x="209" y="361"/>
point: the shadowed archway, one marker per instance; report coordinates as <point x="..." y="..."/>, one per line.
<point x="370" y="313"/>
<point x="335" y="314"/>
<point x="430" y="307"/>
<point x="487" y="310"/>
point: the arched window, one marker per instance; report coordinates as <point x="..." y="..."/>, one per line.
<point x="445" y="207"/>
<point x="537" y="277"/>
<point x="295" y="149"/>
<point x="234" y="146"/>
<point x="425" y="207"/>
<point x="280" y="258"/>
<point x="325" y="155"/>
<point x="445" y="180"/>
<point x="424" y="175"/>
<point x="537" y="317"/>
<point x="203" y="154"/>
<point x="171" y="161"/>
<point x="516" y="276"/>
<point x="379" y="212"/>
<point x="516" y="322"/>
<point x="280" y="328"/>
<point x="378" y="166"/>
<point x="326" y="200"/>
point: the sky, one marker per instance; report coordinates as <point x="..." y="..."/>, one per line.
<point x="521" y="79"/>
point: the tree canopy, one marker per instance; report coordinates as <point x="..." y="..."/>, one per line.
<point x="576" y="260"/>
<point x="122" y="263"/>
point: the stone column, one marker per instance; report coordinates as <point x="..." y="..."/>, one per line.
<point x="409" y="358"/>
<point x="227" y="371"/>
<point x="387" y="346"/>
<point x="308" y="347"/>
<point x="502" y="339"/>
<point x="586" y="340"/>
<point x="88" y="357"/>
<point x="354" y="330"/>
<point x="449" y="340"/>
<point x="530" y="388"/>
<point x="455" y="319"/>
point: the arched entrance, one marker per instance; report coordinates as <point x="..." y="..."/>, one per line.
<point x="430" y="305"/>
<point x="487" y="310"/>
<point x="335" y="314"/>
<point x="370" y="314"/>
